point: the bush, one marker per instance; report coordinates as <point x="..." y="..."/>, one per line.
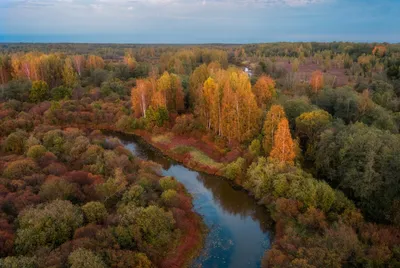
<point x="15" y="142"/>
<point x="156" y="228"/>
<point x="168" y="183"/>
<point x="57" y="188"/>
<point x="156" y="116"/>
<point x="49" y="225"/>
<point x="20" y="168"/>
<point x="133" y="195"/>
<point x="185" y="124"/>
<point x="170" y="197"/>
<point x="36" y="152"/>
<point x="325" y="196"/>
<point x="54" y="141"/>
<point x="17" y="89"/>
<point x="61" y="93"/>
<point x="83" y="258"/>
<point x="94" y="212"/>
<point x="127" y="123"/>
<point x="98" y="76"/>
<point x="113" y="86"/>
<point x="39" y="91"/>
<point x="255" y="148"/>
<point x="235" y="169"/>
<point x="127" y="258"/>
<point x="19" y="262"/>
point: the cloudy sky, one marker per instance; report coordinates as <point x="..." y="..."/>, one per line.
<point x="199" y="21"/>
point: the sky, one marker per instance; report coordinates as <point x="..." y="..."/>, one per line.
<point x="199" y="21"/>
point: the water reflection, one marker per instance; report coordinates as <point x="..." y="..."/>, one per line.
<point x="238" y="227"/>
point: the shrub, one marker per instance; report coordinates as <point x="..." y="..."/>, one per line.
<point x="49" y="225"/>
<point x="94" y="212"/>
<point x="170" y="197"/>
<point x="20" y="168"/>
<point x="19" y="262"/>
<point x="156" y="227"/>
<point x="17" y="89"/>
<point x="58" y="188"/>
<point x="184" y="124"/>
<point x="133" y="195"/>
<point x="39" y="91"/>
<point x="325" y="196"/>
<point x="36" y="152"/>
<point x="127" y="123"/>
<point x="61" y="93"/>
<point x="156" y="116"/>
<point x="255" y="148"/>
<point x="127" y="258"/>
<point x="54" y="141"/>
<point x="83" y="258"/>
<point x="235" y="169"/>
<point x="168" y="183"/>
<point x="113" y="86"/>
<point x="15" y="142"/>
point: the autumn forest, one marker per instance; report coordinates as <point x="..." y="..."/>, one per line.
<point x="310" y="131"/>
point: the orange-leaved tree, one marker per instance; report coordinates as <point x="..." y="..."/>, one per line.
<point x="264" y="90"/>
<point x="379" y="50"/>
<point x="141" y="97"/>
<point x="130" y="60"/>
<point x="94" y="62"/>
<point x="317" y="81"/>
<point x="284" y="149"/>
<point x="274" y="116"/>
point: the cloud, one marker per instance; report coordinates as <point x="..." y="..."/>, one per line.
<point x="129" y="3"/>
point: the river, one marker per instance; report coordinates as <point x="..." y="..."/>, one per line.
<point x="239" y="228"/>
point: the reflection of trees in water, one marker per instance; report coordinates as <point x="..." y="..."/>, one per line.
<point x="236" y="202"/>
<point x="142" y="149"/>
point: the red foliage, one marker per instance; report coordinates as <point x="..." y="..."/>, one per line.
<point x="47" y="159"/>
<point x="88" y="231"/>
<point x="380" y="235"/>
<point x="83" y="178"/>
<point x="39" y="109"/>
<point x="21" y="199"/>
<point x="314" y="219"/>
<point x="275" y="258"/>
<point x="56" y="169"/>
<point x="189" y="224"/>
<point x="6" y="242"/>
<point x="287" y="208"/>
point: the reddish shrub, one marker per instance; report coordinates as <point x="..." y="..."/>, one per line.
<point x="88" y="231"/>
<point x="82" y="178"/>
<point x="313" y="219"/>
<point x="56" y="169"/>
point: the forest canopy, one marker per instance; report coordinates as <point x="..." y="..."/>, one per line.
<point x="310" y="130"/>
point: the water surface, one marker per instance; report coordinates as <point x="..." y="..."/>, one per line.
<point x="239" y="228"/>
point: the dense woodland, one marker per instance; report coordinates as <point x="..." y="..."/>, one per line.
<point x="311" y="130"/>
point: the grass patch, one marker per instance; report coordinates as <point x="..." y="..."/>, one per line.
<point x="198" y="156"/>
<point x="164" y="139"/>
<point x="204" y="159"/>
<point x="183" y="149"/>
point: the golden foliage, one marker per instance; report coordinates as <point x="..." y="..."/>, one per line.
<point x="317" y="81"/>
<point x="274" y="116"/>
<point x="264" y="90"/>
<point x="284" y="147"/>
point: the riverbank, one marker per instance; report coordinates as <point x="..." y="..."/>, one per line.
<point x="183" y="150"/>
<point x="238" y="228"/>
